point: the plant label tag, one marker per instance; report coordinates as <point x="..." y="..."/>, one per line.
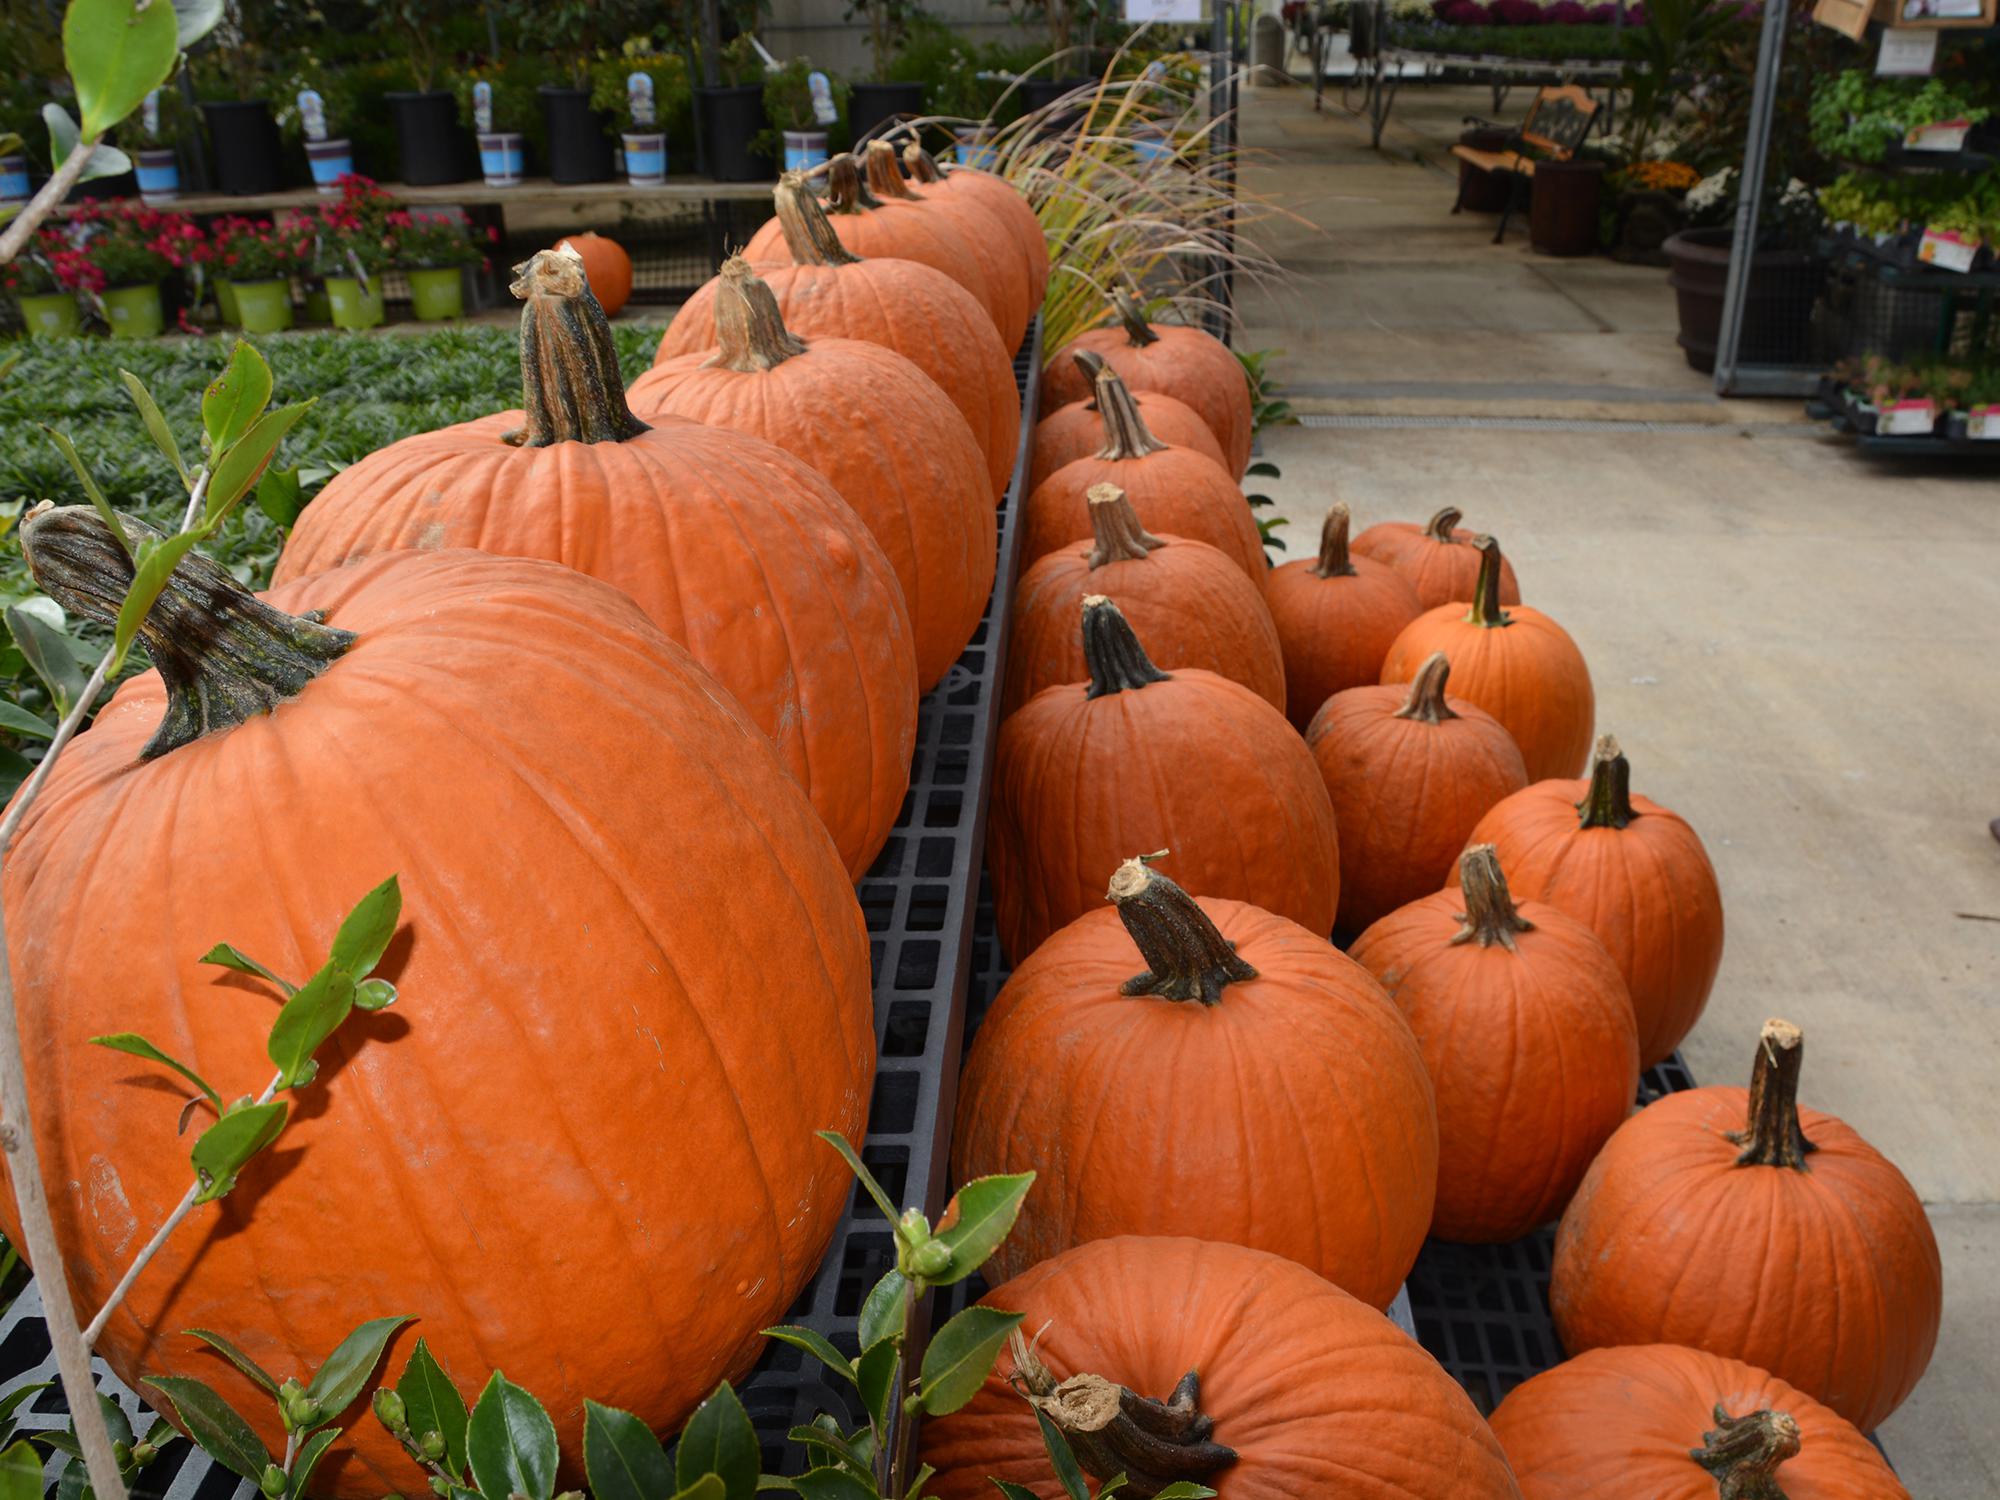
<point x="1982" y="423"/>
<point x="1139" y="12"/>
<point x="149" y="113"/>
<point x="1947" y="249"/>
<point x="1945" y="135"/>
<point x="1908" y="418"/>
<point x="482" y="107"/>
<point x="639" y="98"/>
<point x="1907" y="52"/>
<point x="312" y="115"/>
<point x="821" y="89"/>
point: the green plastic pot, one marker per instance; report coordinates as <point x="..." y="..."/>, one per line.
<point x="50" y="315"/>
<point x="225" y="303"/>
<point x="437" y="294"/>
<point x="351" y="306"/>
<point x="134" y="312"/>
<point x="319" y="307"/>
<point x="264" y="306"/>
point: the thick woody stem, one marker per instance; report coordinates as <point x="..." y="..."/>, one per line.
<point x="1333" y="559"/>
<point x="1092" y="365"/>
<point x="1138" y="332"/>
<point x="1773" y="1136"/>
<point x="846" y="191"/>
<point x="750" y="331"/>
<point x="920" y="164"/>
<point x="1743" y="1453"/>
<point x="1112" y="654"/>
<point x="1125" y="432"/>
<point x="1426" y="701"/>
<point x="1187" y="957"/>
<point x="885" y="176"/>
<point x="1116" y="525"/>
<point x="1608" y="802"/>
<point x="1486" y="611"/>
<point x="1439" y="528"/>
<point x="1490" y="917"/>
<point x="571" y="387"/>
<point x="809" y="234"/>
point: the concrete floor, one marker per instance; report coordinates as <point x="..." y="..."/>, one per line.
<point x="1795" y="646"/>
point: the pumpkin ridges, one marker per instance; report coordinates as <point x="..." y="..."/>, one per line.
<point x="1336" y="628"/>
<point x="987" y="240"/>
<point x="1428" y="555"/>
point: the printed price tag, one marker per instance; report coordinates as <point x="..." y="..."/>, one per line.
<point x="1907" y="418"/>
<point x="1945" y="135"/>
<point x="1982" y="423"/>
<point x="1907" y="52"/>
<point x="1139" y="12"/>
<point x="1947" y="249"/>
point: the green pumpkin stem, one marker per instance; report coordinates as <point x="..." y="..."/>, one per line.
<point x="1126" y="434"/>
<point x="223" y="654"/>
<point x="750" y="331"/>
<point x="809" y="234"/>
<point x="1426" y="701"/>
<point x="1117" y="663"/>
<point x="1334" y="561"/>
<point x="1773" y="1136"/>
<point x="1486" y="610"/>
<point x="1439" y="528"/>
<point x="1138" y="332"/>
<point x="846" y="190"/>
<point x="1092" y="365"/>
<point x="1187" y="957"/>
<point x="1490" y="918"/>
<point x="1743" y="1453"/>
<point x="920" y="164"/>
<point x="571" y="387"/>
<point x="885" y="175"/>
<point x="1120" y="535"/>
<point x="1608" y="803"/>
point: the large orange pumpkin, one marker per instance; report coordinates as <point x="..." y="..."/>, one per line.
<point x="1191" y="605"/>
<point x="1282" y="1385"/>
<point x="1528" y="1035"/>
<point x="618" y="910"/>
<point x="1137" y="758"/>
<point x="1518" y="665"/>
<point x="1739" y="1223"/>
<point x="1668" y="1423"/>
<point x="1172" y="489"/>
<point x="1077" y="430"/>
<point x="606" y="267"/>
<point x="1329" y="1161"/>
<point x="1008" y="206"/>
<point x="1337" y="615"/>
<point x="873" y="423"/>
<point x="1439" y="558"/>
<point x="990" y="243"/>
<point x="1194" y="367"/>
<point x="1410" y="774"/>
<point x="739" y="551"/>
<point x="922" y="314"/>
<point x="1629" y="870"/>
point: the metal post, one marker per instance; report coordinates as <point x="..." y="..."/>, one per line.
<point x="1222" y="103"/>
<point x="1750" y="194"/>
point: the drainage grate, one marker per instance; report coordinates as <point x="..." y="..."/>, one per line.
<point x="1561" y="424"/>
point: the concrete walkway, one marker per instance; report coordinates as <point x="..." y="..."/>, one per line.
<point x="1795" y="645"/>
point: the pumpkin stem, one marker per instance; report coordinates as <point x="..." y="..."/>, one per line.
<point x="920" y="164"/>
<point x="1426" y="701"/>
<point x="1187" y="957"/>
<point x="570" y="384"/>
<point x="1126" y="434"/>
<point x="1608" y="803"/>
<point x="223" y="654"/>
<point x="1486" y="611"/>
<point x="885" y="177"/>
<point x="1120" y="535"/>
<point x="846" y="191"/>
<point x="1111" y="653"/>
<point x="1489" y="915"/>
<point x="1138" y="332"/>
<point x="809" y="234"/>
<point x="1773" y="1136"/>
<point x="1333" y="559"/>
<point x="1092" y="364"/>
<point x="1439" y="528"/>
<point x="749" y="328"/>
<point x="1743" y="1453"/>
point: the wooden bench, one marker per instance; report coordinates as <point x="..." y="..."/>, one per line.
<point x="1555" y="126"/>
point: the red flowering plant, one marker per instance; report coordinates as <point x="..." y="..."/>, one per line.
<point x="131" y="244"/>
<point x="432" y="242"/>
<point x="51" y="263"/>
<point x="354" y="236"/>
<point x="254" y="250"/>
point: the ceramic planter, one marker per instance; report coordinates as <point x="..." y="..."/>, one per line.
<point x="330" y="161"/>
<point x="1777" y="309"/>
<point x="135" y="312"/>
<point x="437" y="294"/>
<point x="645" y="158"/>
<point x="502" y="158"/>
<point x="804" y="149"/>
<point x="50" y="315"/>
<point x="159" y="173"/>
<point x="263" y="306"/>
<point x="14" y="184"/>
<point x="352" y="305"/>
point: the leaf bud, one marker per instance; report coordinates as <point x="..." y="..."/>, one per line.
<point x="931" y="1258"/>
<point x="432" y="1446"/>
<point x="390" y="1412"/>
<point x="914" y="1228"/>
<point x="273" y="1482"/>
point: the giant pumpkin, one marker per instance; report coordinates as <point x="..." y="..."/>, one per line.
<point x="1137" y="758"/>
<point x="990" y="243"/>
<point x="742" y="553"/>
<point x="1528" y="1035"/>
<point x="1440" y="558"/>
<point x="1667" y="1423"/>
<point x="1629" y="870"/>
<point x="1329" y="1160"/>
<point x="1184" y="1360"/>
<point x="1077" y="430"/>
<point x="1337" y="615"/>
<point x="875" y="425"/>
<point x="1000" y="198"/>
<point x="618" y="910"/>
<point x="1517" y="664"/>
<point x="1739" y="1223"/>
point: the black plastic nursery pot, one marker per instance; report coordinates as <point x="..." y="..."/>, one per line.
<point x="1777" y="307"/>
<point x="579" y="136"/>
<point x="430" y="147"/>
<point x="731" y="118"/>
<point x="871" y="104"/>
<point x="244" y="146"/>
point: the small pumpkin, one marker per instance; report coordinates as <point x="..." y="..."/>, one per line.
<point x="1342" y="1184"/>
<point x="922" y="314"/>
<point x="1077" y="430"/>
<point x="1279" y="1385"/>
<point x="1632" y="872"/>
<point x="1439" y="558"/>
<point x="1192" y="606"/>
<point x="1337" y="615"/>
<point x="1194" y="367"/>
<point x="988" y="241"/>
<point x="1668" y="1423"/>
<point x="1739" y="1223"/>
<point x="606" y="267"/>
<point x="1517" y="664"/>
<point x="875" y="425"/>
<point x="1006" y="203"/>
<point x="1410" y="774"/>
<point x="1528" y="1035"/>
<point x="1172" y="489"/>
<point x="1137" y="758"/>
<point x="738" y="550"/>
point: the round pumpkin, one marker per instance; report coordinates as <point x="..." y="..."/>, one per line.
<point x="1739" y="1223"/>
<point x="1225" y="992"/>
<point x="603" y="864"/>
<point x="1337" y="615"/>
<point x="1410" y="774"/>
<point x="739" y="551"/>
<point x="1528" y="1035"/>
<point x="876" y="426"/>
<point x="1077" y="430"/>
<point x="989" y="242"/>
<point x="1172" y="489"/>
<point x="1008" y="206"/>
<point x="606" y="267"/>
<point x="1192" y="606"/>
<point x="1439" y="558"/>
<point x="922" y="314"/>
<point x="1279" y="1385"/>
<point x="1137" y="758"/>
<point x="1679" y="1424"/>
<point x="1517" y="664"/>
<point x="1194" y="367"/>
<point x="1629" y="870"/>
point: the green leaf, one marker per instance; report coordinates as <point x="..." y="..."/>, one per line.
<point x="84" y="477"/>
<point x="433" y="1403"/>
<point x="117" y="54"/>
<point x="309" y="1455"/>
<point x="156" y="424"/>
<point x="230" y="1142"/>
<point x="708" y="1487"/>
<point x="195" y="19"/>
<point x="116" y="1423"/>
<point x="11" y="1402"/>
<point x="833" y="1484"/>
<point x="75" y="1481"/>
<point x="309" y="1018"/>
<point x="960" y="1355"/>
<point x="875" y="1378"/>
<point x="825" y="1436"/>
<point x="213" y="1423"/>
<point x="866" y="1178"/>
<point x="153" y="562"/>
<point x="987" y="1208"/>
<point x="366" y="933"/>
<point x="815" y="1345"/>
<point x="374" y="994"/>
<point x="1112" y="1486"/>
<point x="49" y="652"/>
<point x="238" y="469"/>
<point x="65" y="139"/>
<point x="622" y="1458"/>
<point x="232" y="957"/>
<point x="18" y="719"/>
<point x="10" y="145"/>
<point x="1013" y="1491"/>
<point x="280" y="495"/>
<point x="1185" y="1489"/>
<point x="21" y="1471"/>
<point x="511" y="1443"/>
<point x="1069" y="1473"/>
<point x="235" y="1355"/>
<point x="337" y="1382"/>
<point x="138" y="1046"/>
<point x="885" y="1309"/>
<point x="235" y="399"/>
<point x="719" y="1440"/>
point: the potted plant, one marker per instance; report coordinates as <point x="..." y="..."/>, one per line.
<point x="134" y="249"/>
<point x="330" y="157"/>
<point x="884" y="96"/>
<point x="153" y="133"/>
<point x="429" y="147"/>
<point x="574" y="33"/>
<point x="255" y="261"/>
<point x="644" y="92"/>
<point x="497" y="101"/>
<point x="801" y="103"/>
<point x="1784" y="274"/>
<point x="352" y="246"/>
<point x="434" y="250"/>
<point x="965" y="100"/>
<point x="230" y="74"/>
<point x="1071" y="26"/>
<point x="732" y="116"/>
<point x="44" y="279"/>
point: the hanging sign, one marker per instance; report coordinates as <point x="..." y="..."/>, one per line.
<point x="1139" y="12"/>
<point x="1907" y="53"/>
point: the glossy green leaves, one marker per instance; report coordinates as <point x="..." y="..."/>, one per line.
<point x="117" y="54"/>
<point x="231" y="1141"/>
<point x="432" y="1404"/>
<point x="511" y="1443"/>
